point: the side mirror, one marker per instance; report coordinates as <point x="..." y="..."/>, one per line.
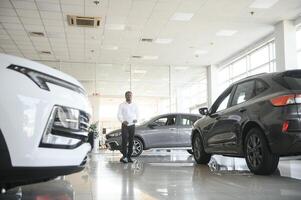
<point x="152" y="125"/>
<point x="204" y="111"/>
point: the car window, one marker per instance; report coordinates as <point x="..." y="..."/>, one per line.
<point x="260" y="87"/>
<point x="187" y="120"/>
<point x="166" y="121"/>
<point x="224" y="103"/>
<point x="244" y="92"/>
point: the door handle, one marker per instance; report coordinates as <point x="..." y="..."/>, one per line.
<point x="172" y="129"/>
<point x="242" y="110"/>
<point x="218" y="117"/>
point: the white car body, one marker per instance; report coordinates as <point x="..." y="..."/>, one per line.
<point x="25" y="113"/>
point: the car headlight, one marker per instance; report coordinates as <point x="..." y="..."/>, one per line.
<point x="115" y="134"/>
<point x="41" y="79"/>
<point x="66" y="128"/>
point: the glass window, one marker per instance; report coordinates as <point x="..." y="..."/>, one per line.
<point x="239" y="67"/>
<point x="166" y="121"/>
<point x="260" y="87"/>
<point x="259" y="57"/>
<point x="223" y="105"/>
<point x="244" y="92"/>
<point x="187" y="120"/>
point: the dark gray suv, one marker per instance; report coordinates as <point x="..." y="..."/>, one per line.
<point x="164" y="131"/>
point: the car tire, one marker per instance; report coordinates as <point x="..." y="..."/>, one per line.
<point x="190" y="151"/>
<point x="137" y="147"/>
<point x="258" y="156"/>
<point x="200" y="156"/>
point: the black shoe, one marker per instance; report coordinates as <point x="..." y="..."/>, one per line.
<point x="130" y="160"/>
<point x="123" y="160"/>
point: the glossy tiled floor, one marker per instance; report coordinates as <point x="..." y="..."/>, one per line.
<point x="171" y="175"/>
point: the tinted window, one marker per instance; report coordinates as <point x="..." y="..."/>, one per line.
<point x="187" y="120"/>
<point x="260" y="87"/>
<point x="244" y="92"/>
<point x="290" y="79"/>
<point x="166" y="121"/>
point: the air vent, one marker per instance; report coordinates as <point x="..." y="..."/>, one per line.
<point x="138" y="57"/>
<point x="83" y="21"/>
<point x="45" y="52"/>
<point x="146" y="40"/>
<point x="37" y="34"/>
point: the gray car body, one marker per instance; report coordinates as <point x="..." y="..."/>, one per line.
<point x="168" y="136"/>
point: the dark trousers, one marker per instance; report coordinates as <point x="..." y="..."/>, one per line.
<point x="127" y="133"/>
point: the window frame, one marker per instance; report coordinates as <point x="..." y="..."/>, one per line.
<point x="187" y="116"/>
<point x="166" y="116"/>
<point x="216" y="104"/>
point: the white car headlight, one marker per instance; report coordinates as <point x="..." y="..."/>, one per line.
<point x="41" y="79"/>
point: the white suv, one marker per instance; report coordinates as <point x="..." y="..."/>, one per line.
<point x="44" y="119"/>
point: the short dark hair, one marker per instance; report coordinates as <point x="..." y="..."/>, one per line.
<point x="127" y="92"/>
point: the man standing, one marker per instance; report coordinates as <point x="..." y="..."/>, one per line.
<point x="128" y="116"/>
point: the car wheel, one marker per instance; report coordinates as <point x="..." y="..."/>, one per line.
<point x="137" y="147"/>
<point x="258" y="156"/>
<point x="190" y="151"/>
<point x="200" y="156"/>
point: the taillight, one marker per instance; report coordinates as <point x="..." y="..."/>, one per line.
<point x="285" y="126"/>
<point x="286" y="100"/>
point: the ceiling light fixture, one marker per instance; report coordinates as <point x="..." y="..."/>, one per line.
<point x="150" y="57"/>
<point x="182" y="16"/>
<point x="139" y="71"/>
<point x="263" y="4"/>
<point x="226" y="33"/>
<point x="163" y="40"/>
<point x="200" y="52"/>
<point x="115" y="27"/>
<point x="110" y="47"/>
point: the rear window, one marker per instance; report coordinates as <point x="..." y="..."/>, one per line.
<point x="290" y="79"/>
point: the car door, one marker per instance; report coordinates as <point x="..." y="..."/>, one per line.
<point x="213" y="130"/>
<point x="227" y="129"/>
<point x="162" y="132"/>
<point x="184" y="129"/>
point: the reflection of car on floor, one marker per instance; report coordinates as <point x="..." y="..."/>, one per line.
<point x="258" y="118"/>
<point x="164" y="131"/>
<point x="43" y="122"/>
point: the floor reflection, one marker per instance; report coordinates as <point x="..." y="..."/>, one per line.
<point x="52" y="190"/>
<point x="175" y="176"/>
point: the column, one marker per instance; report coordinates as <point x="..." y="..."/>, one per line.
<point x="212" y="84"/>
<point x="285" y="44"/>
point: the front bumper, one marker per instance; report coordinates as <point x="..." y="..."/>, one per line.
<point x="114" y="143"/>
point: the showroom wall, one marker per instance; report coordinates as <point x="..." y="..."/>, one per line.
<point x="157" y="89"/>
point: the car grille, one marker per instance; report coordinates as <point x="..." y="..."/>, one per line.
<point x="84" y="121"/>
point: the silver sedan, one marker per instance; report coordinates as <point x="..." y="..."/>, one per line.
<point x="163" y="131"/>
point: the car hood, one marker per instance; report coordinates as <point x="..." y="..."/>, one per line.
<point x="7" y="60"/>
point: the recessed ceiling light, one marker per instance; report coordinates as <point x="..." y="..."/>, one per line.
<point x="181" y="68"/>
<point x="163" y="40"/>
<point x="138" y="57"/>
<point x="115" y="27"/>
<point x="226" y="33"/>
<point x="139" y="71"/>
<point x="110" y="47"/>
<point x="150" y="57"/>
<point x="146" y="40"/>
<point x="264" y="4"/>
<point x="182" y="16"/>
<point x="200" y="52"/>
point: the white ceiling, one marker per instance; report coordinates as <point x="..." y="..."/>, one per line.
<point x="71" y="47"/>
<point x="142" y="19"/>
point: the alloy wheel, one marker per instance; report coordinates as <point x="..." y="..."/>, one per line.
<point x="254" y="151"/>
<point x="137" y="147"/>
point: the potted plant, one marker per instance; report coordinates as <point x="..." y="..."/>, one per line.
<point x="93" y="136"/>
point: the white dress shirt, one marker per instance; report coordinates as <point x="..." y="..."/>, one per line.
<point x="127" y="112"/>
